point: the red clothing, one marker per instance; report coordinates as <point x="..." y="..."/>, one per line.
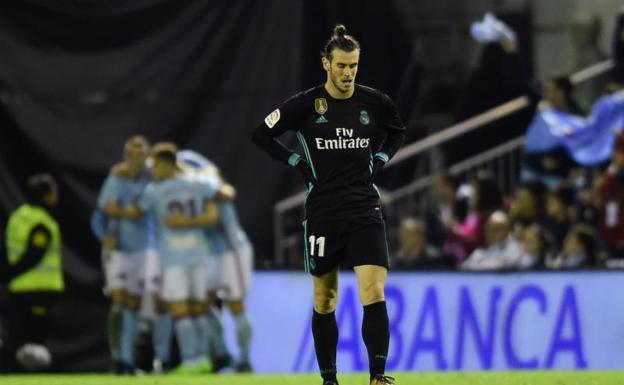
<point x="611" y="207"/>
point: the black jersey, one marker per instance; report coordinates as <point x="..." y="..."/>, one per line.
<point x="339" y="139"/>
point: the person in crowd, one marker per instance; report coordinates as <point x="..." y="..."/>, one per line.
<point x="579" y="250"/>
<point x="560" y="206"/>
<point x="448" y="200"/>
<point x="462" y="238"/>
<point x="527" y="206"/>
<point x="501" y="251"/>
<point x="610" y="201"/>
<point x="538" y="245"/>
<point x="414" y="252"/>
<point x="550" y="163"/>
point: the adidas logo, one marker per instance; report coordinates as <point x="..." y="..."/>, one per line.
<point x="321" y="119"/>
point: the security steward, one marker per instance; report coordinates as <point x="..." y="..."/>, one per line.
<point x="34" y="274"/>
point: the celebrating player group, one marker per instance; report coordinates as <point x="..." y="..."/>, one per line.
<point x="172" y="243"/>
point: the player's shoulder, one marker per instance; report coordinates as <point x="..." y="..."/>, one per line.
<point x="119" y="170"/>
<point x="308" y="94"/>
<point x="371" y="93"/>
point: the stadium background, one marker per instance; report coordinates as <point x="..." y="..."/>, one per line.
<point x="78" y="77"/>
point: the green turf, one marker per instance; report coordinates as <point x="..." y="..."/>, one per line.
<point x="497" y="378"/>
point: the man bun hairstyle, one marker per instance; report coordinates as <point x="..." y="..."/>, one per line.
<point x="339" y="40"/>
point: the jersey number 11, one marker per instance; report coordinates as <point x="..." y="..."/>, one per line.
<point x="320" y="241"/>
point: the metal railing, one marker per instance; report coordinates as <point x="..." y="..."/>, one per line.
<point x="495" y="158"/>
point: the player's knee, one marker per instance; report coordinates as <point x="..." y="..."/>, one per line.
<point x="372" y="292"/>
<point x="161" y="306"/>
<point x="132" y="302"/>
<point x="118" y="297"/>
<point x="199" y="307"/>
<point x="237" y="307"/>
<point x="179" y="309"/>
<point x="325" y="300"/>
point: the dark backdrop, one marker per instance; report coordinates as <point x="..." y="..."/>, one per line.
<point x="78" y="77"/>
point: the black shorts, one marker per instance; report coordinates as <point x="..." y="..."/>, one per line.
<point x="344" y="242"/>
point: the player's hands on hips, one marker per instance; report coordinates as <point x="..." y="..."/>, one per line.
<point x="306" y="171"/>
<point x="378" y="164"/>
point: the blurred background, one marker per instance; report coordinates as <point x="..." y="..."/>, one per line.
<point x="509" y="167"/>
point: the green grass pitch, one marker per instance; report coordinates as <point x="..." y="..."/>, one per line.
<point x="495" y="378"/>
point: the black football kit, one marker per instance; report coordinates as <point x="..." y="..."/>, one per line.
<point x="344" y="142"/>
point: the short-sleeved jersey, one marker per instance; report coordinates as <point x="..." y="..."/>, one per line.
<point x="132" y="234"/>
<point x="185" y="246"/>
<point x="339" y="138"/>
<point x="232" y="229"/>
<point x="228" y="234"/>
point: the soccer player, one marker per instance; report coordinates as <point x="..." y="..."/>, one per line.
<point x="182" y="208"/>
<point x="229" y="266"/>
<point x="347" y="132"/>
<point x="125" y="243"/>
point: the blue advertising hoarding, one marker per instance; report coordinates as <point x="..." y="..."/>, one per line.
<point x="450" y="321"/>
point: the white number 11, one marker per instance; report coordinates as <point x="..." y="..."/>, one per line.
<point x="321" y="245"/>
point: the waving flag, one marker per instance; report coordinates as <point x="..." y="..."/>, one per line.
<point x="588" y="140"/>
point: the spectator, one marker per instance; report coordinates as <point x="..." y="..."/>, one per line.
<point x="550" y="163"/>
<point x="464" y="237"/>
<point x="538" y="245"/>
<point x="611" y="201"/>
<point x="560" y="204"/>
<point x="414" y="252"/>
<point x="579" y="249"/>
<point x="502" y="251"/>
<point x="527" y="206"/>
<point x="448" y="203"/>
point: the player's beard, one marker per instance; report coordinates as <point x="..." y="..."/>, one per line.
<point x="339" y="85"/>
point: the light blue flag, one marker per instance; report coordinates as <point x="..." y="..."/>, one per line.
<point x="588" y="140"/>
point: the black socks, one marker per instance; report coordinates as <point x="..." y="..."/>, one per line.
<point x="376" y="336"/>
<point x="325" y="333"/>
<point x="375" y="332"/>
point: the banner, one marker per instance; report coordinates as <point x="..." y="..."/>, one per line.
<point x="450" y="321"/>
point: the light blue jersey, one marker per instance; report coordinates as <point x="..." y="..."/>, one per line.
<point x="194" y="159"/>
<point x="216" y="241"/>
<point x="228" y="234"/>
<point x="232" y="230"/>
<point x="132" y="234"/>
<point x="185" y="246"/>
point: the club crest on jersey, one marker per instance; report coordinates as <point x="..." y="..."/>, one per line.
<point x="320" y="105"/>
<point x="272" y="119"/>
<point x="364" y="118"/>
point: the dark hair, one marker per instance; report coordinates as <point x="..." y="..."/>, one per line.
<point x="39" y="185"/>
<point x="488" y="195"/>
<point x="564" y="84"/>
<point x="566" y="194"/>
<point x="339" y="40"/>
